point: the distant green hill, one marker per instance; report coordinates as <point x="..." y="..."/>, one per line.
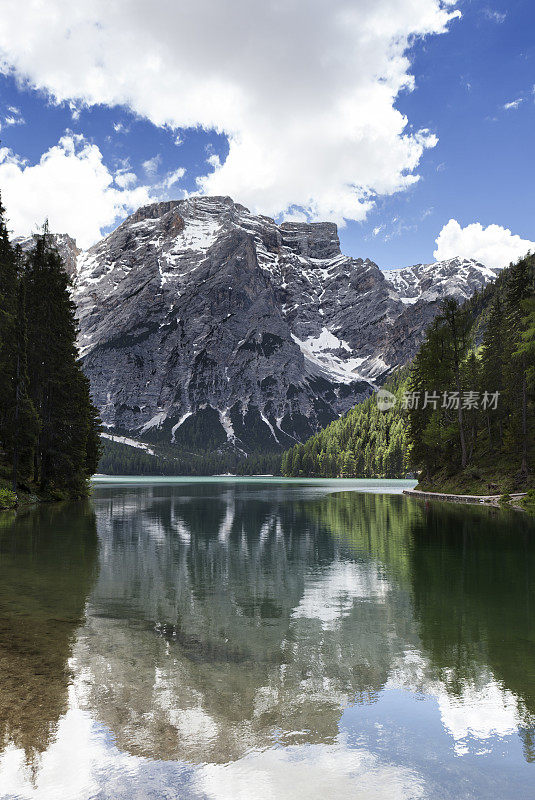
<point x="364" y="443"/>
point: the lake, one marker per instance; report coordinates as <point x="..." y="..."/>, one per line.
<point x="266" y="639"/>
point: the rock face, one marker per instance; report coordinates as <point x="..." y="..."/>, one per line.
<point x="65" y="244"/>
<point x="207" y="327"/>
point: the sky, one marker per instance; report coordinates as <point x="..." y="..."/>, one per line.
<point x="407" y="122"/>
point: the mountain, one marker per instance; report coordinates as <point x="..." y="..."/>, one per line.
<point x="456" y="277"/>
<point x="205" y="327"/>
<point x="65" y="245"/>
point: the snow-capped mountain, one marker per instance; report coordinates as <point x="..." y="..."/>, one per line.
<point x="455" y="277"/>
<point x="204" y="325"/>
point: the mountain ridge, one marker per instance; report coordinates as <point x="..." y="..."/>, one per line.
<point x="205" y="327"/>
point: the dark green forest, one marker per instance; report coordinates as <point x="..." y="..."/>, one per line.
<point x="480" y="356"/>
<point x="365" y="443"/>
<point x="121" y="459"/>
<point x="49" y="428"/>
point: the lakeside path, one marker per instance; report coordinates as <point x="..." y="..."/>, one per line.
<point x="489" y="499"/>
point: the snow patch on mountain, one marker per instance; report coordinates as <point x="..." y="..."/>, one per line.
<point x="320" y="352"/>
<point x="454" y="277"/>
<point x="130" y="442"/>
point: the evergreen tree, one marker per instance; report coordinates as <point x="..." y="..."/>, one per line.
<point x="25" y="421"/>
<point x="18" y="419"/>
<point x="8" y="311"/>
<point x="364" y="443"/>
<point x="492" y="367"/>
<point x="499" y="377"/>
<point x="457" y="324"/>
<point x="66" y="451"/>
<point x="520" y="287"/>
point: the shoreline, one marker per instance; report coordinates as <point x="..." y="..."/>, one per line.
<point x="474" y="499"/>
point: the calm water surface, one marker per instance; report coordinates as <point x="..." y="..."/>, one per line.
<point x="266" y="640"/>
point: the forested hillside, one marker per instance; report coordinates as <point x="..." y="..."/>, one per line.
<point x="49" y="429"/>
<point x="464" y="415"/>
<point x="474" y="430"/>
<point x="121" y="459"/>
<point x="365" y="443"/>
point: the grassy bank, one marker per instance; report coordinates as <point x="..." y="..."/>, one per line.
<point x="480" y="480"/>
<point x="528" y="502"/>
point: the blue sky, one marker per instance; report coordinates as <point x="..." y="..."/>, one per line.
<point x="473" y="90"/>
<point x="483" y="164"/>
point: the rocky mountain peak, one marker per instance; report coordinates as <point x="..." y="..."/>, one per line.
<point x="65" y="244"/>
<point x="453" y="277"/>
<point x="317" y="240"/>
<point x="204" y="326"/>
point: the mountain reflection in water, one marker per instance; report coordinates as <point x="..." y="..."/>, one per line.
<point x="265" y="640"/>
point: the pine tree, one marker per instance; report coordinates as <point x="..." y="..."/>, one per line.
<point x="18" y="419"/>
<point x="66" y="451"/>
<point x="519" y="289"/>
<point x="25" y="421"/>
<point x="8" y="311"/>
<point x="492" y="365"/>
<point x="458" y="325"/>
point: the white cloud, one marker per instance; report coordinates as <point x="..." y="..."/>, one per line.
<point x="513" y="104"/>
<point x="76" y="110"/>
<point x="495" y="16"/>
<point x="71" y="186"/>
<point x="493" y="246"/>
<point x="304" y="90"/>
<point x="13" y="116"/>
<point x="174" y="177"/>
<point x="120" y="127"/>
<point x="126" y="179"/>
<point x="150" y="166"/>
<point x="214" y="161"/>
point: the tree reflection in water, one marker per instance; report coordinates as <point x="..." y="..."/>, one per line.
<point x="232" y="626"/>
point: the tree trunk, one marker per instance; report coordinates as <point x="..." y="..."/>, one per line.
<point x="524" y="467"/>
<point x="490" y="433"/>
<point x="456" y="365"/>
<point x="460" y="415"/>
<point x="16" y="427"/>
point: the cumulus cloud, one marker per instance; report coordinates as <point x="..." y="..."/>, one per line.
<point x="304" y="90"/>
<point x="493" y="246"/>
<point x="126" y="179"/>
<point x="71" y="186"/>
